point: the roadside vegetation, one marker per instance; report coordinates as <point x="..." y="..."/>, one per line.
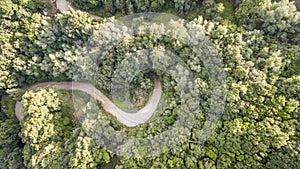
<point x="257" y="40"/>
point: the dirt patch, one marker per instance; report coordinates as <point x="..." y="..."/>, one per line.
<point x="140" y="97"/>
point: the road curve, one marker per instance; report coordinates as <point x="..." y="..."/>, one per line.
<point x="128" y="119"/>
<point x="64" y="6"/>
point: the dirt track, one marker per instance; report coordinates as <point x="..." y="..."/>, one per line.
<point x="128" y="119"/>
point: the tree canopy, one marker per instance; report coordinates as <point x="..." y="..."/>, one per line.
<point x="256" y="40"/>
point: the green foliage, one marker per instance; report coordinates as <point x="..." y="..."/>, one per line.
<point x="280" y="19"/>
<point x="38" y="48"/>
<point x="212" y="153"/>
<point x="124" y="7"/>
<point x="102" y="156"/>
<point x="35" y="5"/>
<point x="258" y="115"/>
<point x="85" y="4"/>
<point x="10" y="144"/>
<point x="38" y="132"/>
<point x="8" y="107"/>
<point x="260" y="127"/>
<point x="227" y="12"/>
<point x="140" y="89"/>
<point x="51" y="140"/>
<point x="251" y="10"/>
<point x="82" y="157"/>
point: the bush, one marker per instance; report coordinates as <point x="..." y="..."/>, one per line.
<point x="85" y="4"/>
<point x="8" y="107"/>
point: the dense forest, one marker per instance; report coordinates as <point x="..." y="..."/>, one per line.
<point x="241" y="56"/>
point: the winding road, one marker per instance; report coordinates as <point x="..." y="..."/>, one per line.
<point x="63" y="6"/>
<point x="128" y="119"/>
